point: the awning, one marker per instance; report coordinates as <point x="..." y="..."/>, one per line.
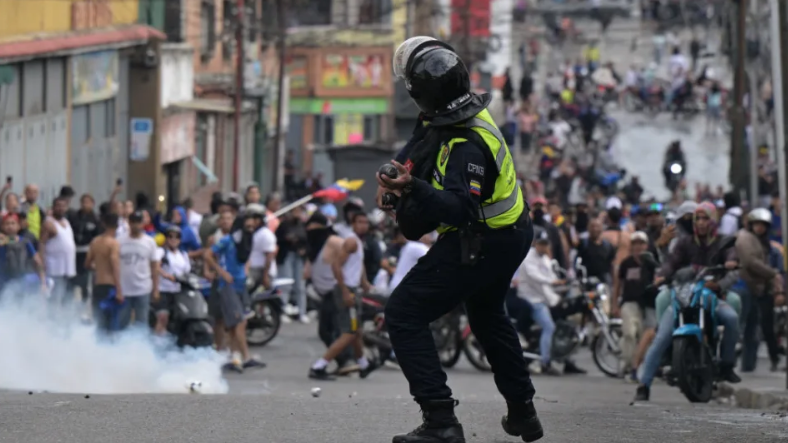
<point x="218" y="105"/>
<point x="28" y="46"/>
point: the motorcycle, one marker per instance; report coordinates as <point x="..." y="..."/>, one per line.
<point x="674" y="174"/>
<point x="189" y="321"/>
<point x="583" y="295"/>
<point x="695" y="355"/>
<point x="267" y="307"/>
<point x="445" y="331"/>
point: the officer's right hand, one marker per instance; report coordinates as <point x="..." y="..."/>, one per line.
<point x="379" y="198"/>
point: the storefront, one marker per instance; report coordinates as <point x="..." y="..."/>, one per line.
<point x="339" y="97"/>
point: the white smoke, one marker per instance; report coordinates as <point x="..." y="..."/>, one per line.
<point x="46" y="348"/>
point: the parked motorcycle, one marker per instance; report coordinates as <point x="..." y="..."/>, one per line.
<point x="189" y="321"/>
<point x="268" y="308"/>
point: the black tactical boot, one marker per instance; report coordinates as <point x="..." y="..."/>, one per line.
<point x="521" y="421"/>
<point x="440" y="424"/>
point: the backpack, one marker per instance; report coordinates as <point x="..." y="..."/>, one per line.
<point x="17" y="258"/>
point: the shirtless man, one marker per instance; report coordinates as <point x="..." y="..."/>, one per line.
<point x="104" y="258"/>
<point x="323" y="246"/>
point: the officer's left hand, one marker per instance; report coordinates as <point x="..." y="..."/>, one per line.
<point x="403" y="178"/>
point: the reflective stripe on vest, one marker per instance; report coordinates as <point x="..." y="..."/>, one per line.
<point x="500" y="208"/>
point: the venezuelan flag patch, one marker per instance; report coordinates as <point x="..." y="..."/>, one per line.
<point x="475" y="187"/>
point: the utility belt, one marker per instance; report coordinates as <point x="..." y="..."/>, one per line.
<point x="472" y="238"/>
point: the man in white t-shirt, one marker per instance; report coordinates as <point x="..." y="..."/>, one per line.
<point x="261" y="266"/>
<point x="410" y="253"/>
<point x="139" y="271"/>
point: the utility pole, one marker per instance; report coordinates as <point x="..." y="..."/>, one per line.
<point x="779" y="42"/>
<point x="239" y="88"/>
<point x="738" y="171"/>
<point x="282" y="47"/>
<point x="755" y="133"/>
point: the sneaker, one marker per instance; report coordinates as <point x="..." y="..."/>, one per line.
<point x="304" y="319"/>
<point x="633" y="376"/>
<point x="572" y="368"/>
<point x="364" y="373"/>
<point x="235" y="366"/>
<point x="348" y="368"/>
<point x="320" y="374"/>
<point x="286" y="319"/>
<point x="550" y="370"/>
<point x="249" y="314"/>
<point x="643" y="393"/>
<point x="254" y="363"/>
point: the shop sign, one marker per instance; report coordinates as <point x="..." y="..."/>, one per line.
<point x="352" y="71"/>
<point x="297" y="71"/>
<point x="94" y="77"/>
<point x="177" y="137"/>
<point x="368" y="106"/>
<point x="141" y="132"/>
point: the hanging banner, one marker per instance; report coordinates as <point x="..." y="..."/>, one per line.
<point x="141" y="132"/>
<point x="352" y="71"/>
<point x="94" y="77"/>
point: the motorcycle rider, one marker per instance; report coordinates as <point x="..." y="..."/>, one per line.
<point x="674" y="154"/>
<point x="696" y="251"/>
<point x="752" y="249"/>
<point x="535" y="281"/>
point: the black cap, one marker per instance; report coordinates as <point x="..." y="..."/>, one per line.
<point x="136" y="217"/>
<point x="317" y="218"/>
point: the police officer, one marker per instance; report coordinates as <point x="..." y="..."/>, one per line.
<point x="456" y="175"/>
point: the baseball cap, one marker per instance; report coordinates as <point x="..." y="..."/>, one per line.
<point x="136" y="217"/>
<point x="639" y="236"/>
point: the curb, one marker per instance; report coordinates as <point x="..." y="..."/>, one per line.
<point x="746" y="398"/>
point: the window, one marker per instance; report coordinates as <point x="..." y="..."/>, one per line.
<point x="371" y="128"/>
<point x="374" y="12"/>
<point x="251" y="18"/>
<point x="310" y="13"/>
<point x="229" y="21"/>
<point x="207" y="29"/>
<point x="324" y="130"/>
<point x="270" y="22"/>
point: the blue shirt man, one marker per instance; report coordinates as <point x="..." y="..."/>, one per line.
<point x="227" y="254"/>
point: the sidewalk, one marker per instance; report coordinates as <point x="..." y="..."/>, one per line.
<point x="762" y="390"/>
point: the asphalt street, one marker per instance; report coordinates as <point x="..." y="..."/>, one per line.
<point x="274" y="405"/>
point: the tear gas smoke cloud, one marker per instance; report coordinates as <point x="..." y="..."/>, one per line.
<point x="47" y="348"/>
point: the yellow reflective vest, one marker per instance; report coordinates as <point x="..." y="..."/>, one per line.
<point x="506" y="204"/>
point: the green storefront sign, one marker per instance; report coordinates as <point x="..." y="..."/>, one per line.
<point x="6" y="75"/>
<point x="339" y="106"/>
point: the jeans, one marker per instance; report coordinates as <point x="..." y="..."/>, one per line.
<point x="435" y="286"/>
<point x="757" y="309"/>
<point x="725" y="315"/>
<point x="540" y="313"/>
<point x="140" y="305"/>
<point x="293" y="267"/>
<point x="62" y="291"/>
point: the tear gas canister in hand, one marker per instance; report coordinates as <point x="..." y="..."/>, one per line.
<point x="388" y="198"/>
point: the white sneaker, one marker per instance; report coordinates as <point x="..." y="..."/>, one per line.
<point x="304" y="319"/>
<point x="286" y="319"/>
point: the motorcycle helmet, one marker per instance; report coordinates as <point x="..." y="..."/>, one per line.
<point x="255" y="210"/>
<point x="760" y="215"/>
<point x="434" y="75"/>
<point x="172" y="229"/>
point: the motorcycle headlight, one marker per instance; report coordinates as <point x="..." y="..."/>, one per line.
<point x="684" y="295"/>
<point x="601" y="289"/>
<point x="675" y="168"/>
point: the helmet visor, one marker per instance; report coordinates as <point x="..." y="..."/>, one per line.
<point x="404" y="53"/>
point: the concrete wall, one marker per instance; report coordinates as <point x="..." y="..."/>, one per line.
<point x="19" y="17"/>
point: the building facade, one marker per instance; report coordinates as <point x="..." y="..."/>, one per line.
<point x="73" y="96"/>
<point x="339" y="56"/>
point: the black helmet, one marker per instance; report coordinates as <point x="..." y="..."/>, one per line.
<point x="435" y="76"/>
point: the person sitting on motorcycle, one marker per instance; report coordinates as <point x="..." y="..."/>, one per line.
<point x="695" y="251"/>
<point x="535" y="281"/>
<point x="674" y="154"/>
<point x="174" y="263"/>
